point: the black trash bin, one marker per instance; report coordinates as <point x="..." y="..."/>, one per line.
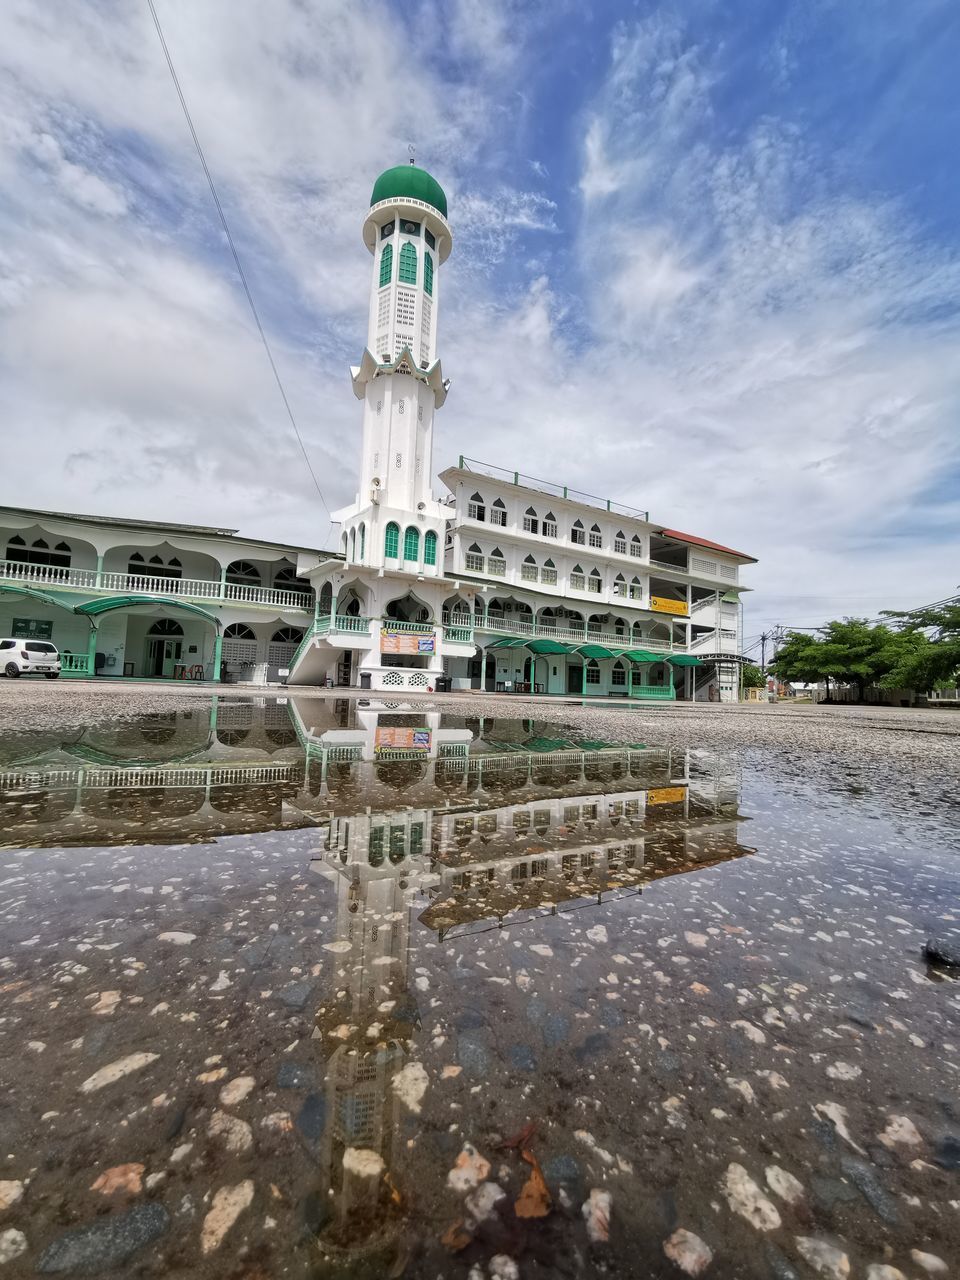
<point x="364" y="679"/>
<point x="443" y="684"/>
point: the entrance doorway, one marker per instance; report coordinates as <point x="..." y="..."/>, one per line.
<point x="344" y="667"/>
<point x="164" y="648"/>
<point x="574" y="679"/>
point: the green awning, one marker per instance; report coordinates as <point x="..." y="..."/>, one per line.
<point x="549" y="646"/>
<point x="594" y="651"/>
<point x="130" y="602"/>
<point x="644" y="655"/>
<point x="684" y="660"/>
<point x="731" y="597"/>
<point x="508" y="642"/>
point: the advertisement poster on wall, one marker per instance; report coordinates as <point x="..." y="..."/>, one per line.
<point x="389" y="739"/>
<point x="410" y="642"/>
<point x="31" y="629"/>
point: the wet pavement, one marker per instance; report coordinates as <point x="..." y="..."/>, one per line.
<point x="312" y="988"/>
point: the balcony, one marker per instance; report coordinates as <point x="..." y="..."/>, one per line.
<point x="342" y="622"/>
<point x="574" y="635"/>
<point x="48" y="577"/>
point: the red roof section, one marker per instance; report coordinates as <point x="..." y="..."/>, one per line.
<point x="703" y="542"/>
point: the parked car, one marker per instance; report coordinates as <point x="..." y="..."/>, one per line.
<point x="29" y="657"/>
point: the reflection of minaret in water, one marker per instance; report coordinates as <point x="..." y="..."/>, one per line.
<point x="364" y="1033"/>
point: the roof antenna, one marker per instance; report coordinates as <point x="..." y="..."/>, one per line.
<point x="413" y="151"/>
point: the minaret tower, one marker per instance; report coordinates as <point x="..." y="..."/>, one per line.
<point x="395" y="522"/>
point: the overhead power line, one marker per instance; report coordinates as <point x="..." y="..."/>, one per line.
<point x="236" y="256"/>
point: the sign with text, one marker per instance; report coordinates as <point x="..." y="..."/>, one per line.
<point x="392" y="641"/>
<point x="663" y="604"/>
<point x="31" y="629"/>
<point x="388" y="740"/>
<point x="665" y="795"/>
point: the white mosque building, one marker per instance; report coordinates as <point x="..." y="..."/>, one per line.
<point x="505" y="583"/>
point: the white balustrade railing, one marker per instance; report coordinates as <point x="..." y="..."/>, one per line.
<point x="44" y="575"/>
<point x="573" y="635"/>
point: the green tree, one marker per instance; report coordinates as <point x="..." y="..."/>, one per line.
<point x="859" y="652"/>
<point x="801" y="657"/>
<point x="929" y="652"/>
<point x="752" y="677"/>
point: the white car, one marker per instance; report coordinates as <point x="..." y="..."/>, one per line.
<point x="29" y="657"/>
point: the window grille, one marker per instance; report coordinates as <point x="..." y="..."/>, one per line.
<point x="473" y="562"/>
<point x="618" y="676"/>
<point x="578" y="536"/>
<point x="386" y="264"/>
<point x="408" y="264"/>
<point x="428" y="274"/>
<point x="596" y="539"/>
<point x="411" y="544"/>
<point x="528" y="572"/>
<point x="620" y="545"/>
<point x="391" y="541"/>
<point x="592" y="672"/>
<point x="497" y="566"/>
<point x="548" y="575"/>
<point x="636" y="547"/>
<point x="577" y="582"/>
<point x="594" y="582"/>
<point x="429" y="547"/>
<point x="498" y="513"/>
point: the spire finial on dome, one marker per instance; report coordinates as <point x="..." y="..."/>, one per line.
<point x="412" y="151"/>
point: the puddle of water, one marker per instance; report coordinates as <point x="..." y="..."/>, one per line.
<point x="326" y="989"/>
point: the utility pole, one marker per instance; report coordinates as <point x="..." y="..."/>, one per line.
<point x="763" y="653"/>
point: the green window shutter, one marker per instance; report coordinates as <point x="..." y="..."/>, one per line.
<point x="430" y="547"/>
<point x="411" y="544"/>
<point x="408" y="264"/>
<point x="391" y="541"/>
<point x="363" y="540"/>
<point x="428" y="274"/>
<point x="386" y="264"/>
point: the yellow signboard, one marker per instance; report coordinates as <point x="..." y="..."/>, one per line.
<point x="663" y="605"/>
<point x="665" y="795"/>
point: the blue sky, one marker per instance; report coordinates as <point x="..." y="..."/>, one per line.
<point x="705" y="263"/>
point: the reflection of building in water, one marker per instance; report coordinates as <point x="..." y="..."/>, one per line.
<point x="494" y="840"/>
<point x="189" y="775"/>
<point x="363" y="1032"/>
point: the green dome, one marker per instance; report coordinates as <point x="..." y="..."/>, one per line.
<point x="406" y="180"/>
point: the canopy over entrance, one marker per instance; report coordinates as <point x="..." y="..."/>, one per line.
<point x="684" y="660"/>
<point x="644" y="655"/>
<point x="128" y="602"/>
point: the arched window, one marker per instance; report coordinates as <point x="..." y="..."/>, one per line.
<point x="39" y="553"/>
<point x="498" y="512"/>
<point x="528" y="570"/>
<point x="530" y="522"/>
<point x="619" y="585"/>
<point x="497" y="563"/>
<point x="287" y="635"/>
<point x="238" y="631"/>
<point x="592" y="671"/>
<point x="165" y="627"/>
<point x="618" y="676"/>
<point x="408" y="264"/>
<point x="353" y="544"/>
<point x="386" y="264"/>
<point x="636" y="588"/>
<point x="548" y="573"/>
<point x="391" y="541"/>
<point x="429" y="547"/>
<point x="596" y="537"/>
<point x="286" y="579"/>
<point x="411" y="543"/>
<point x="473" y="560"/>
<point x="620" y="543"/>
<point x="636" y="546"/>
<point x="595" y="582"/>
<point x="577" y="534"/>
<point x="242" y="572"/>
<point x="476" y="508"/>
<point x="428" y="274"/>
<point x="326" y="598"/>
<point x="363" y="541"/>
<point x="549" y="528"/>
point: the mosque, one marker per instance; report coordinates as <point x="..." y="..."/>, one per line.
<point x="505" y="583"/>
